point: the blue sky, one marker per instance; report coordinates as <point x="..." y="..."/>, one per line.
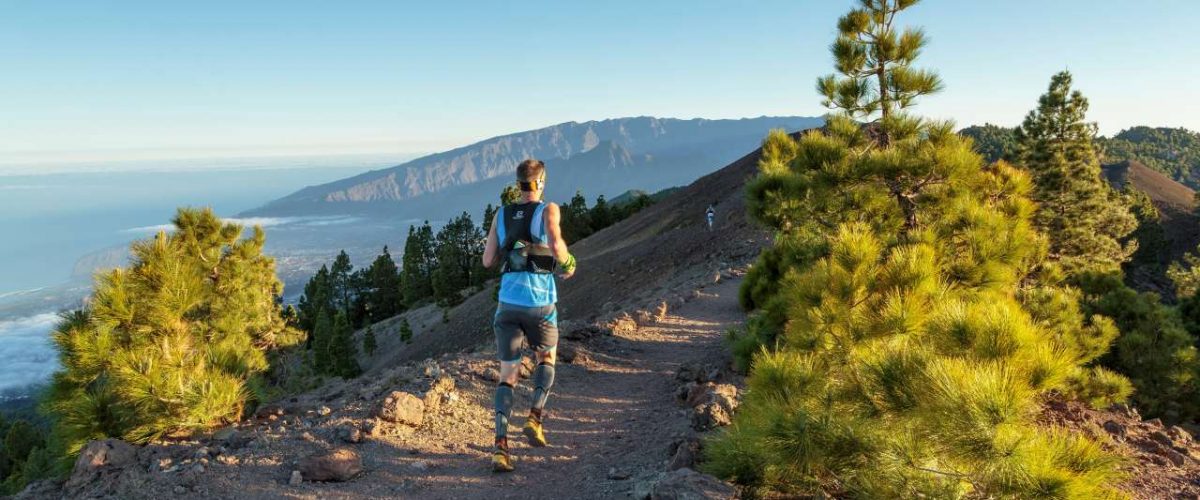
<point x="124" y="80"/>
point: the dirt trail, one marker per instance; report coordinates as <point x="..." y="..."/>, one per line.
<point x="615" y="418"/>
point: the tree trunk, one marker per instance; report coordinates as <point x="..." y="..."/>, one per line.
<point x="884" y="105"/>
<point x="907" y="206"/>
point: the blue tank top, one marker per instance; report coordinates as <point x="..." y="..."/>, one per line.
<point x="528" y="289"/>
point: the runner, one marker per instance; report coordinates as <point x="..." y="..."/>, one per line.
<point x="709" y="215"/>
<point x="525" y="239"/>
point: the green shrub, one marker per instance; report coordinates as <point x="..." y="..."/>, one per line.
<point x="406" y="332"/>
<point x="906" y="324"/>
<point x="170" y="344"/>
<point x="1154" y="350"/>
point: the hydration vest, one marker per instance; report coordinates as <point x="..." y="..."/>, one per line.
<point x="519" y="249"/>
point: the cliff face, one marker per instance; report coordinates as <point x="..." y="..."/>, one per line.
<point x="668" y="149"/>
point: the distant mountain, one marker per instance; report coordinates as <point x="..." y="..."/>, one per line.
<point x="598" y="157"/>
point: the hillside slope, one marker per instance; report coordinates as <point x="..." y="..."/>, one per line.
<point x="1176" y="206"/>
<point x="632" y="263"/>
<point x="1167" y="194"/>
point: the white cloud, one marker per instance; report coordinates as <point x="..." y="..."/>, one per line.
<point x="149" y="229"/>
<point x="256" y="221"/>
<point x="26" y="354"/>
<point x="264" y="221"/>
<point x="329" y="221"/>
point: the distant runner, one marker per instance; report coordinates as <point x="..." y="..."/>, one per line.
<point x="709" y="215"/>
<point x="526" y="241"/>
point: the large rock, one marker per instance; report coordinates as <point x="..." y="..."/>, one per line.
<point x="573" y="331"/>
<point x="105" y="453"/>
<point x="99" y="459"/>
<point x="687" y="484"/>
<point x="270" y="412"/>
<point x="574" y="354"/>
<point x="402" y="408"/>
<point x="338" y="465"/>
<point x="684" y="454"/>
<point x="710" y="416"/>
<point x="1180" y="436"/>
<point x="432" y="391"/>
<point x="644" y="317"/>
<point x="694" y="371"/>
<point x="698" y="394"/>
<point x="45" y="488"/>
<point x="623" y="325"/>
<point x="348" y="433"/>
<point x="714" y="405"/>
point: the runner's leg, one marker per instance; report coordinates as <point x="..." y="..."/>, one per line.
<point x="507" y="327"/>
<point x="543" y="338"/>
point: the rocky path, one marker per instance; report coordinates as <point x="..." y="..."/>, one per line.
<point x="613" y="418"/>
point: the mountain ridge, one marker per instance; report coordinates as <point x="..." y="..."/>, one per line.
<point x="710" y="143"/>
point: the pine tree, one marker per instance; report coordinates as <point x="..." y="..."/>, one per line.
<point x="875" y="61"/>
<point x="601" y="215"/>
<point x="339" y="280"/>
<point x="318" y="296"/>
<point x="489" y="215"/>
<point x="1086" y="220"/>
<point x="480" y="274"/>
<point x="24" y="456"/>
<point x="901" y="349"/>
<point x="1185" y="274"/>
<point x="406" y="332"/>
<point x="322" y="343"/>
<point x="459" y="250"/>
<point x="1152" y="243"/>
<point x="386" y="288"/>
<point x="369" y="341"/>
<point x="173" y="343"/>
<point x="341" y="348"/>
<point x="20" y="440"/>
<point x="362" y="295"/>
<point x="576" y="220"/>
<point x="291" y="316"/>
<point x="511" y="194"/>
<point x="40" y="464"/>
<point x="420" y="259"/>
<point x="1154" y="349"/>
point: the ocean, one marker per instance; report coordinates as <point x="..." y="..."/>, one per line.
<point x="48" y="221"/>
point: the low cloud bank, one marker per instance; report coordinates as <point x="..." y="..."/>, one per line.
<point x="256" y="221"/>
<point x="26" y="355"/>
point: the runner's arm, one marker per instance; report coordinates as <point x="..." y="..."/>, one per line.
<point x="491" y="249"/>
<point x="558" y="245"/>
